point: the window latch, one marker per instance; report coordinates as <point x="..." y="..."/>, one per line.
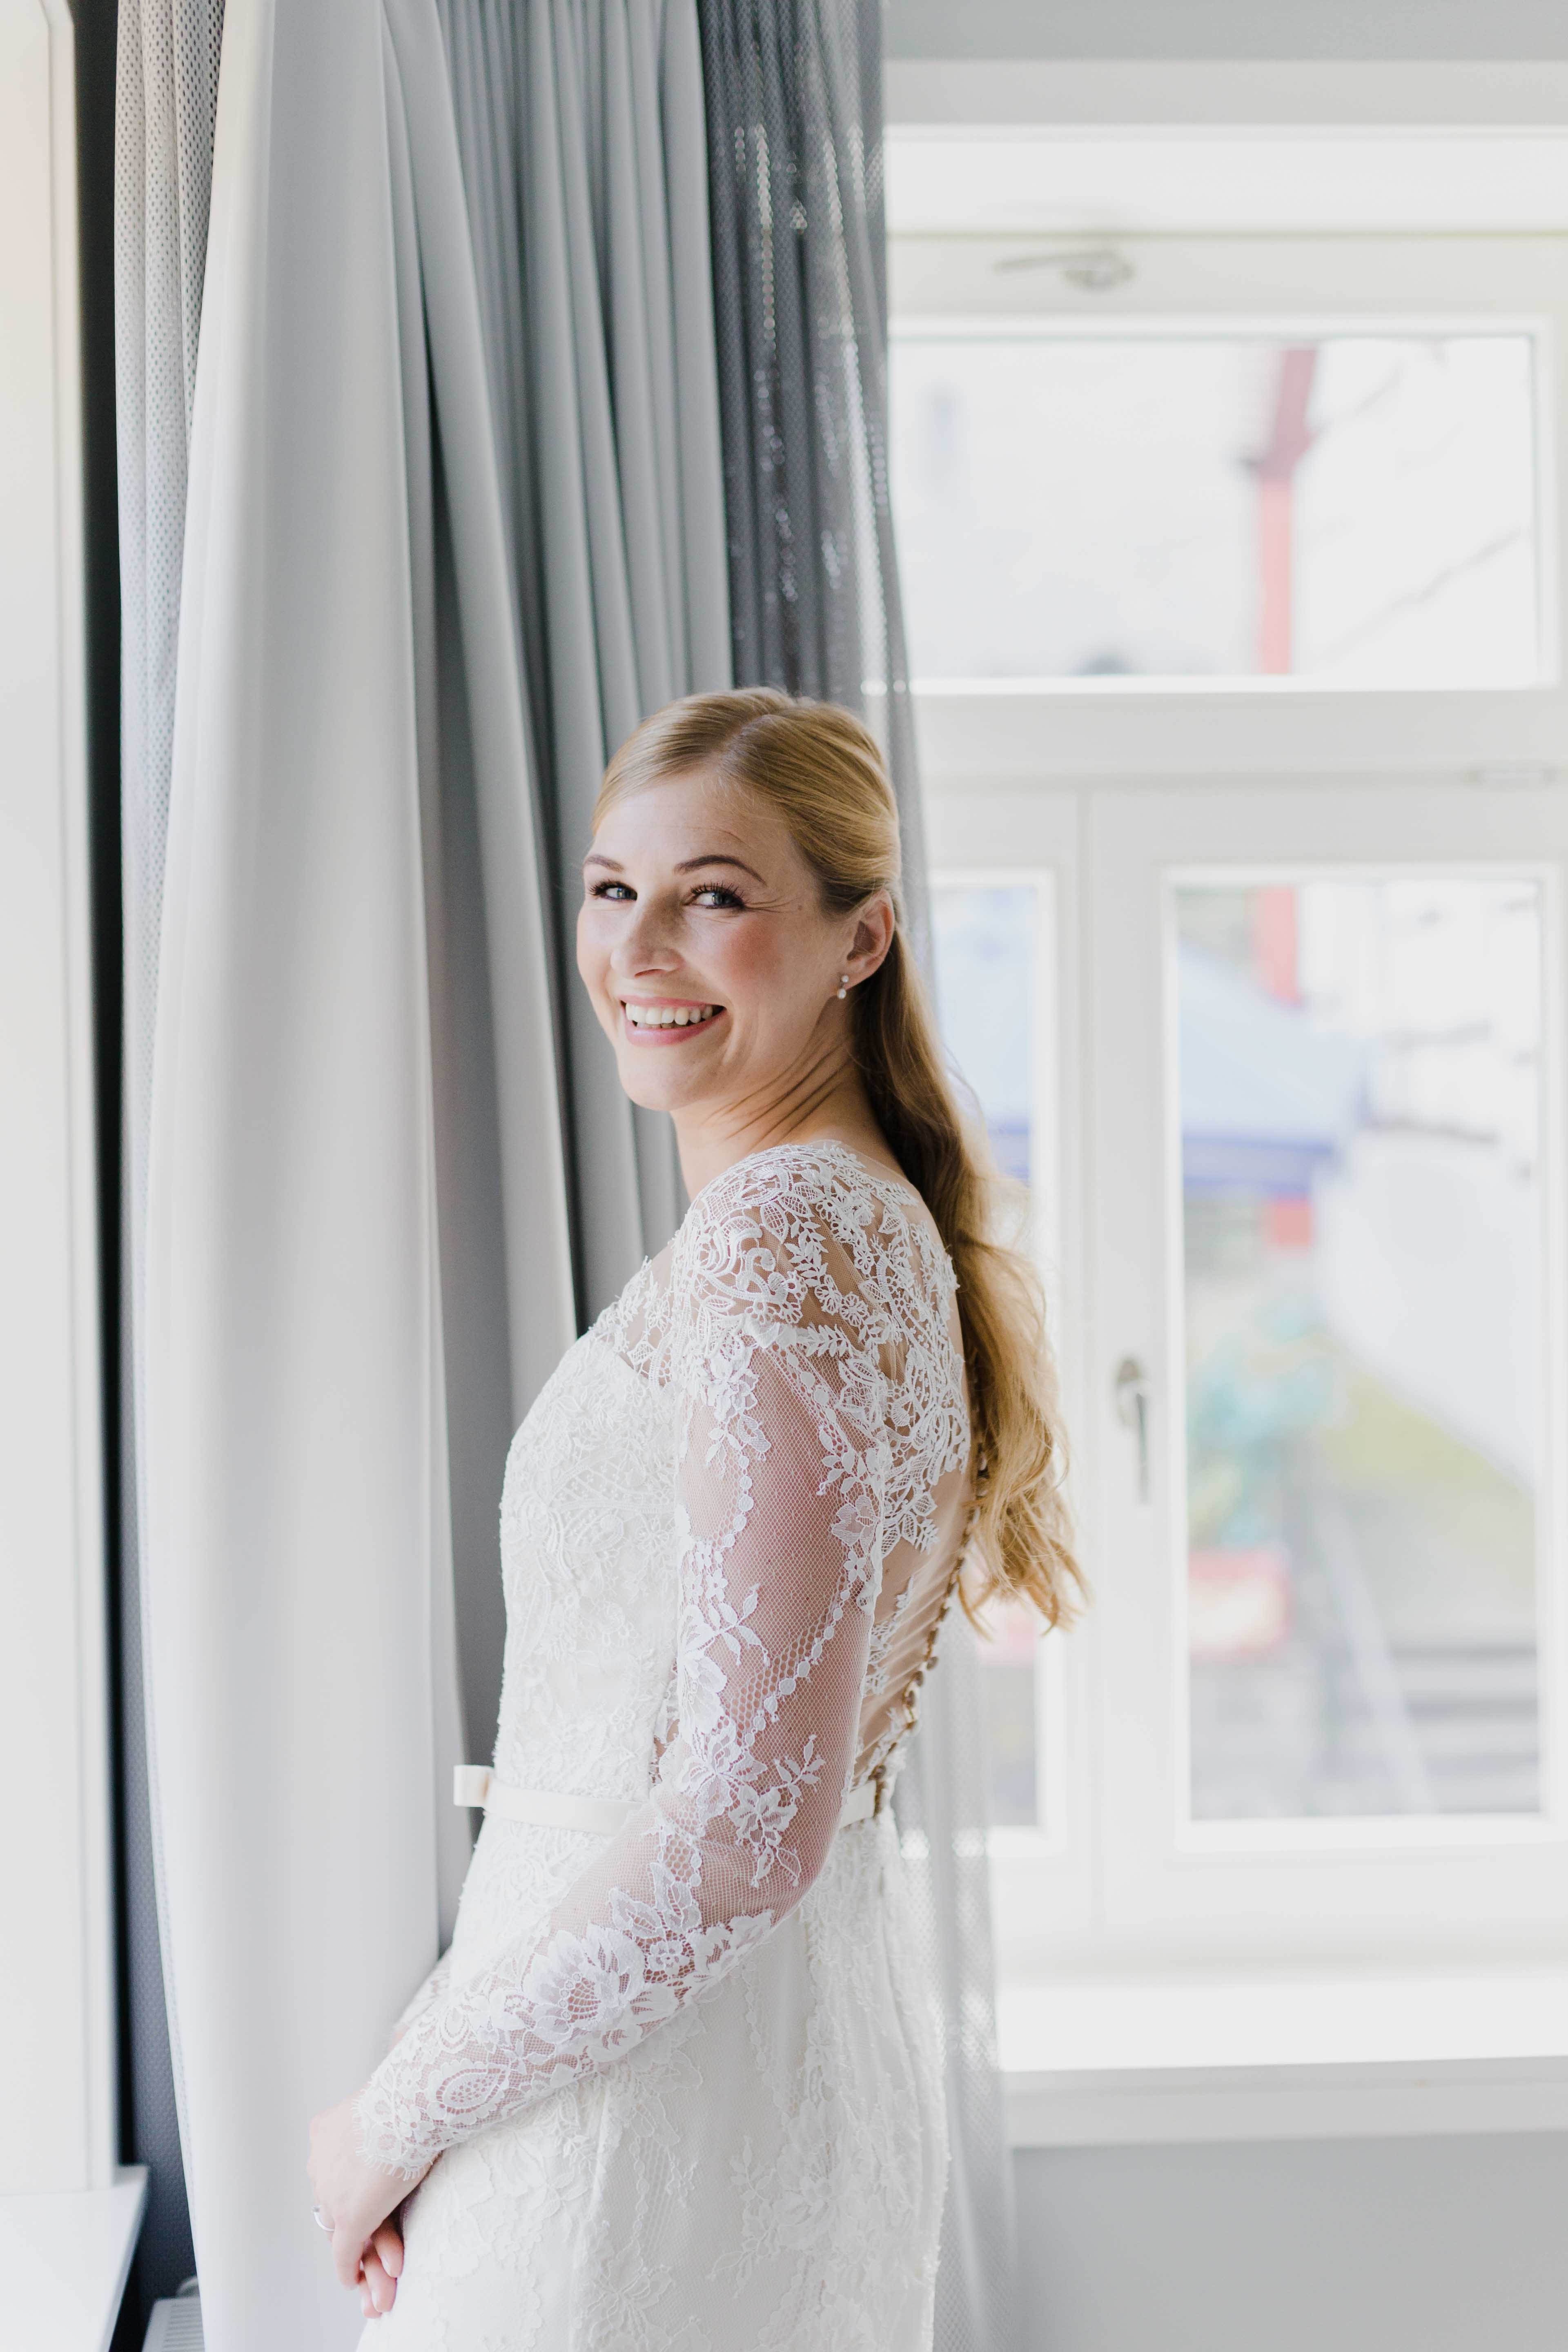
<point x="1132" y="1392"/>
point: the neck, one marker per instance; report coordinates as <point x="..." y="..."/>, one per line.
<point x="823" y="1100"/>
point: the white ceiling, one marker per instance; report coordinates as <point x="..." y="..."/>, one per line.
<point x="1078" y="180"/>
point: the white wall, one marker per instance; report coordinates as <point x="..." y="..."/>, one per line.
<point x="1228" y="28"/>
<point x="1408" y="2245"/>
<point x="56" y="2070"/>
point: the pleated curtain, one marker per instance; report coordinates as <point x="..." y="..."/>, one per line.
<point x="794" y="91"/>
<point x="581" y="127"/>
<point x="337" y="1194"/>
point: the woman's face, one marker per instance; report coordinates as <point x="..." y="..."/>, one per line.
<point x="702" y="940"/>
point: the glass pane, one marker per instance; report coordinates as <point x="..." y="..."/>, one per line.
<point x="1354" y="509"/>
<point x="1360" y="1089"/>
<point x="986" y="952"/>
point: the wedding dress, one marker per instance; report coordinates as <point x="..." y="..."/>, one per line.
<point x="681" y="2080"/>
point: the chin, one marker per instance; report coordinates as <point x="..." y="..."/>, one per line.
<point x="655" y="1088"/>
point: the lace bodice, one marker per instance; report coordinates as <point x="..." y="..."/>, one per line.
<point x="765" y="1587"/>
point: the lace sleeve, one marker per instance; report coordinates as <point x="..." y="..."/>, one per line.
<point x="782" y="1476"/>
<point x="430" y="1989"/>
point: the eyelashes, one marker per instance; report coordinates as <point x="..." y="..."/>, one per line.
<point x="711" y="898"/>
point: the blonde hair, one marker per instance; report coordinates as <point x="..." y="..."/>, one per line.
<point x="821" y="770"/>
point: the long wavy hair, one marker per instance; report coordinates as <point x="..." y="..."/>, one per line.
<point x="821" y="769"/>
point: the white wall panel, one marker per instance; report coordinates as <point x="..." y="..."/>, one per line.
<point x="1228" y="28"/>
<point x="55" y="1980"/>
<point x="1332" y="2246"/>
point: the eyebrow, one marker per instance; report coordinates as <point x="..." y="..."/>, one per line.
<point x="686" y="865"/>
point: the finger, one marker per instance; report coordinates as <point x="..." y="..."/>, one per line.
<point x="388" y="2244"/>
<point x="382" y="2286"/>
<point x="347" y="2247"/>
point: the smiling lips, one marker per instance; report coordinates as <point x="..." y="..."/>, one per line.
<point x="666" y="1020"/>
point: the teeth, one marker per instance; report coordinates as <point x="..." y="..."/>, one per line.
<point x="669" y="1016"/>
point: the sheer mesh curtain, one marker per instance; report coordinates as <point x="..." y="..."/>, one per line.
<point x="166" y="100"/>
<point x="795" y="128"/>
<point x="580" y="123"/>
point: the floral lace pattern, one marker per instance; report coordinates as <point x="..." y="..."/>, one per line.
<point x="727" y="1518"/>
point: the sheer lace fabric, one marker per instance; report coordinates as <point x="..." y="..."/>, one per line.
<point x="728" y="1527"/>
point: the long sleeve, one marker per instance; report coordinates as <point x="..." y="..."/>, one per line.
<point x="430" y="1989"/>
<point x="782" y="1478"/>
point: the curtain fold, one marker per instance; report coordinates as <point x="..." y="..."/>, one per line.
<point x="165" y="102"/>
<point x="349" y="808"/>
<point x="579" y="126"/>
<point x="293" y="1406"/>
<point x="794" y="95"/>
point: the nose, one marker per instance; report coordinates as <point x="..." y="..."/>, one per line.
<point x="646" y="944"/>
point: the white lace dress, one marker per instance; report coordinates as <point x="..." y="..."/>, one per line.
<point x="682" y="2081"/>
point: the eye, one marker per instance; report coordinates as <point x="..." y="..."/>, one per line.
<point x="613" y="890"/>
<point x="718" y="895"/>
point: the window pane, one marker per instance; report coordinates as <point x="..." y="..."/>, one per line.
<point x="985" y="937"/>
<point x="1353" y="508"/>
<point x="1360" y="1090"/>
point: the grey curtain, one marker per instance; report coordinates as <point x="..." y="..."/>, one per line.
<point x="390" y="219"/>
<point x="580" y="124"/>
<point x="167" y="100"/>
<point x="794" y="143"/>
<point x="795" y="146"/>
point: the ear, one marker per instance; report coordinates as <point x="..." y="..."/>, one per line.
<point x="873" y="936"/>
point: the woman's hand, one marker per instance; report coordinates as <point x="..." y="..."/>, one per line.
<point x="355" y="2198"/>
<point x="379" y="2276"/>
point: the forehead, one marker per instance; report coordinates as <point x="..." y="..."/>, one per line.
<point x="686" y="816"/>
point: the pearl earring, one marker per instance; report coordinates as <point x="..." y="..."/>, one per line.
<point x="843" y="985"/>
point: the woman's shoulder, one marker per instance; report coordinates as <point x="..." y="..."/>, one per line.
<point x="816" y="1213"/>
<point x="819" y="1184"/>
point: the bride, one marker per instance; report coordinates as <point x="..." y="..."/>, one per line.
<point x="675" y="2086"/>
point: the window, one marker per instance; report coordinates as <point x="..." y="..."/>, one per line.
<point x="1232" y="572"/>
<point x="1358" y="1086"/>
<point x="1352" y="508"/>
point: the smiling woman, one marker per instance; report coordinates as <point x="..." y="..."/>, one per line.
<point x="739" y="962"/>
<point x="679" y="2059"/>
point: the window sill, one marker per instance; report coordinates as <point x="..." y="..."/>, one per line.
<point x="63" y="2264"/>
<point x="1123" y="2061"/>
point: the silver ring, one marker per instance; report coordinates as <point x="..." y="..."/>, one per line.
<point x="321" y="2219"/>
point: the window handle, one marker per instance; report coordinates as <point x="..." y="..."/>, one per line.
<point x="1132" y="1392"/>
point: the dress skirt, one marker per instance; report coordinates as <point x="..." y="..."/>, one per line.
<point x="764" y="2173"/>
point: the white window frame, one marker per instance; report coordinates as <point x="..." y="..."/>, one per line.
<point x="1025" y="777"/>
<point x="1263" y="726"/>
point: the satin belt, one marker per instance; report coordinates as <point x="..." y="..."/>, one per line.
<point x="475" y="1784"/>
